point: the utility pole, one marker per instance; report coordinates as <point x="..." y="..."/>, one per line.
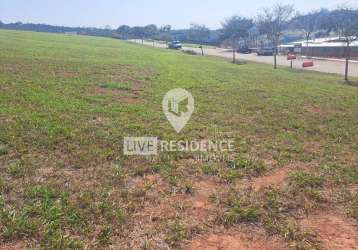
<point x="347" y="60"/>
<point x="233" y="51"/>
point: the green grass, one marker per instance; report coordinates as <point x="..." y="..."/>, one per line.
<point x="302" y="179"/>
<point x="240" y="214"/>
<point x="114" y="85"/>
<point x="3" y="150"/>
<point x="66" y="102"/>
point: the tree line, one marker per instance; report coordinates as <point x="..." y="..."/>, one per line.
<point x="106" y="32"/>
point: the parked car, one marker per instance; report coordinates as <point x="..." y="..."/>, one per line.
<point x="267" y="51"/>
<point x="244" y="50"/>
<point x="175" y="45"/>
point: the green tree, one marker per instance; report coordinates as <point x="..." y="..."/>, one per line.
<point x="235" y="28"/>
<point x="199" y="34"/>
<point x="344" y="22"/>
<point x="124" y="31"/>
<point x="164" y="33"/>
<point x="308" y="24"/>
<point x="150" y="31"/>
<point x="272" y="22"/>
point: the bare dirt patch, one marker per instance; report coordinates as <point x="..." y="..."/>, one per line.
<point x="270" y="162"/>
<point x="14" y="246"/>
<point x="198" y="206"/>
<point x="312" y="146"/>
<point x="313" y="109"/>
<point x="236" y="240"/>
<point x="205" y="187"/>
<point x="165" y="204"/>
<point x="333" y="230"/>
<point x="66" y="74"/>
<point x="277" y="177"/>
<point x="201" y="204"/>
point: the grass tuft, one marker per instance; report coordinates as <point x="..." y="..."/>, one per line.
<point x="116" y="85"/>
<point x="303" y="180"/>
<point x="3" y="149"/>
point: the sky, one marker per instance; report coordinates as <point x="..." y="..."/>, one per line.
<point x="179" y="14"/>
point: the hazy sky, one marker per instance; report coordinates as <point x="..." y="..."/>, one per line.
<point x="179" y="14"/>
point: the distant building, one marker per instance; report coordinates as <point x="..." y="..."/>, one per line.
<point x="322" y="47"/>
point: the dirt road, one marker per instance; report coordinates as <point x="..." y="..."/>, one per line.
<point x="335" y="67"/>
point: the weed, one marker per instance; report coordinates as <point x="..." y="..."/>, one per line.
<point x="242" y="162"/>
<point x="302" y="180"/>
<point x="138" y="192"/>
<point x="104" y="237"/>
<point x="143" y="170"/>
<point x="249" y="166"/>
<point x="188" y="187"/>
<point x="114" y="85"/>
<point x="44" y="193"/>
<point x="112" y="213"/>
<point x="239" y="213"/>
<point x="55" y="238"/>
<point x="292" y="232"/>
<point x="177" y="233"/>
<point x="230" y="175"/>
<point x="118" y="172"/>
<point x="15" y="224"/>
<point x="340" y="175"/>
<point x="314" y="195"/>
<point x="350" y="175"/>
<point x="210" y="169"/>
<point x="3" y="149"/>
<point x="4" y="186"/>
<point x="18" y="169"/>
<point x="353" y="210"/>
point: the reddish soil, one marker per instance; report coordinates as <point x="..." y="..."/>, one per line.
<point x="15" y="246"/>
<point x="163" y="205"/>
<point x="66" y="74"/>
<point x="277" y="177"/>
<point x="236" y="240"/>
<point x="313" y="109"/>
<point x="159" y="201"/>
<point x="270" y="162"/>
<point x="201" y="206"/>
<point x="312" y="146"/>
<point x="333" y="231"/>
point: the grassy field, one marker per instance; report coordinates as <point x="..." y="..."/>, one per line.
<point x="66" y="102"/>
